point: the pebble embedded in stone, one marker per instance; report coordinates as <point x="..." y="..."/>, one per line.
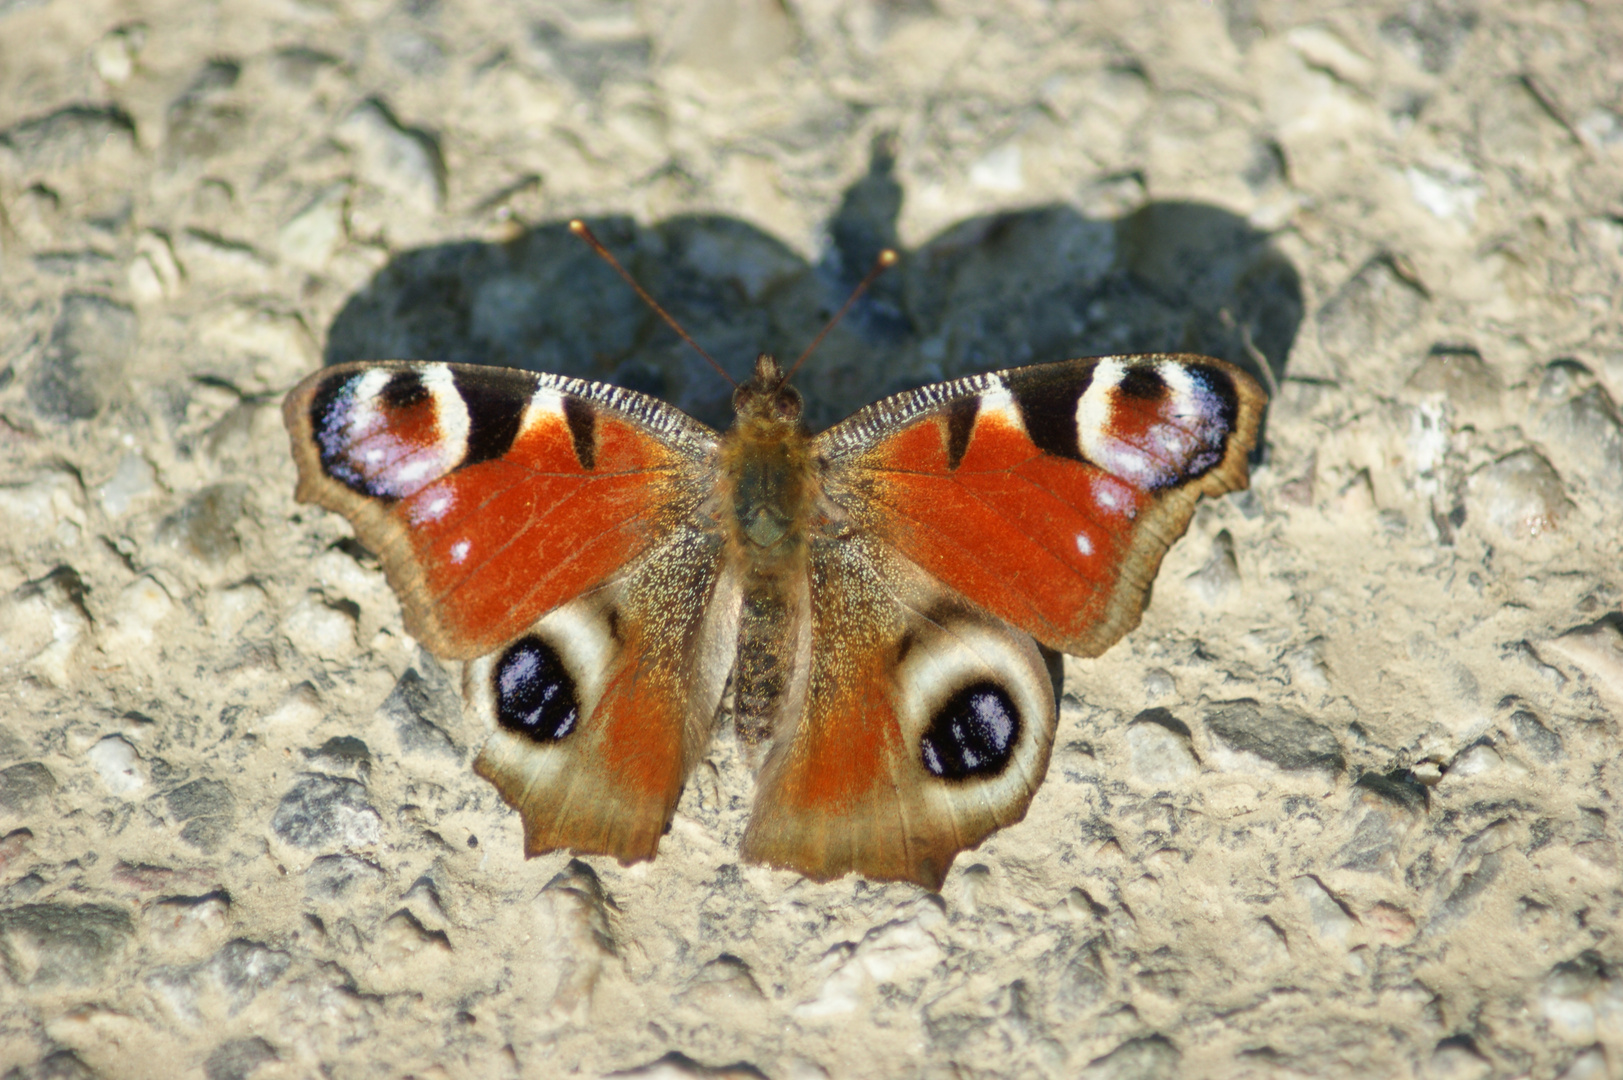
<point x="1382" y="816"/>
<point x="133" y="478"/>
<point x="1582" y="999"/>
<point x="327" y="812"/>
<point x="1459" y="1059"/>
<point x="60" y="944"/>
<point x="1375" y="305"/>
<point x="1158" y="749"/>
<point x="1478" y="760"/>
<point x="73" y="136"/>
<point x="1597" y="651"/>
<point x="207" y="119"/>
<point x="402" y="938"/>
<point x="1588" y="434"/>
<point x="1151" y="1057"/>
<point x="139" y="609"/>
<point x="1276" y="737"/>
<point x="323" y="630"/>
<point x="188" y="924"/>
<point x="336" y="877"/>
<point x="118" y="765"/>
<point x="246" y="968"/>
<point x="312" y="236"/>
<point x="1459" y="376"/>
<point x="238" y="1059"/>
<point x="21" y="786"/>
<point x="403" y="162"/>
<point x="300" y="708"/>
<point x="206" y="525"/>
<point x="82" y="367"/>
<point x="423" y="711"/>
<point x="1521" y="496"/>
<point x="206" y="809"/>
<point x="1219" y="580"/>
<point x="1543" y="743"/>
<point x="723" y="983"/>
<point x="1326" y="914"/>
<point x="341" y="754"/>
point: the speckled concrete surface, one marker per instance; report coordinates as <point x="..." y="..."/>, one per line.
<point x="1347" y="803"/>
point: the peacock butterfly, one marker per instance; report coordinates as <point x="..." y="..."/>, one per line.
<point x="864" y="604"/>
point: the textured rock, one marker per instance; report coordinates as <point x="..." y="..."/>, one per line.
<point x="50" y="944"/>
<point x="205" y="526"/>
<point x="323" y="812"/>
<point x="82" y="366"/>
<point x="21" y="786"/>
<point x="1369" y="824"/>
<point x="1520" y="495"/>
<point x="421" y="711"/>
<point x="1274" y="737"/>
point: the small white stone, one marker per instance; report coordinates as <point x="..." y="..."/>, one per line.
<point x="1330" y="921"/>
<point x="1000" y="170"/>
<point x="1521" y="495"/>
<point x="317" y="231"/>
<point x="131" y="479"/>
<point x="118" y="765"/>
<point x="140" y="607"/>
<point x="188" y="926"/>
<point x="401" y="162"/>
<point x="1476" y="761"/>
<point x="300" y="708"/>
<point x="321" y="630"/>
<point x="1159" y="757"/>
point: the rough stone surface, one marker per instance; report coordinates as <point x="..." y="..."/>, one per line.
<point x="1346" y="803"/>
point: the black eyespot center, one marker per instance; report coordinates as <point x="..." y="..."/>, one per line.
<point x="404" y="390"/>
<point x="973" y="735"/>
<point x="1143" y="383"/>
<point x="535" y="695"/>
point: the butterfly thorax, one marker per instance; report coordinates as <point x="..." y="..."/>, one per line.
<point x="766" y="470"/>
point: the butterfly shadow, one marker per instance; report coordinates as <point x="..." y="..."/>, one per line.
<point x="1000" y="290"/>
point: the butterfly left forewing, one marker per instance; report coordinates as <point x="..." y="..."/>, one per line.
<point x="492" y="495"/>
<point x="1048" y="495"/>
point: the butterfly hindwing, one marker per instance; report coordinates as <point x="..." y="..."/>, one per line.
<point x="492" y="495"/>
<point x="599" y="711"/>
<point x="926" y="726"/>
<point x="1048" y="495"/>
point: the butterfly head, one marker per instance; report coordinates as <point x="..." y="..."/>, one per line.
<point x="767" y="397"/>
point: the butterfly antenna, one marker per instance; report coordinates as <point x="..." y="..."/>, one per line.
<point x="886" y="260"/>
<point x="578" y="227"/>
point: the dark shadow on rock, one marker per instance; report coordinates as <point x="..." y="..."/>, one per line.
<point x="1020" y="287"/>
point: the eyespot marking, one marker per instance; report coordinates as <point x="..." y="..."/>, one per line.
<point x="972" y="735"/>
<point x="535" y="694"/>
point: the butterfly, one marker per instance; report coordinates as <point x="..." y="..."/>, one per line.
<point x="865" y="605"/>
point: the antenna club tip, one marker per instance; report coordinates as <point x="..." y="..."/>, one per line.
<point x="888" y="258"/>
<point x="577" y="226"/>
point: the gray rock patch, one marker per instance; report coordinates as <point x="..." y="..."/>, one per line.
<point x="327" y="812"/>
<point x="62" y="944"/>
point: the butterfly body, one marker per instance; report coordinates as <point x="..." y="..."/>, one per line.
<point x="864" y="605"/>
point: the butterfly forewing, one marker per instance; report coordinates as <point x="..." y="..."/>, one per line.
<point x="492" y="495"/>
<point x="1048" y="494"/>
